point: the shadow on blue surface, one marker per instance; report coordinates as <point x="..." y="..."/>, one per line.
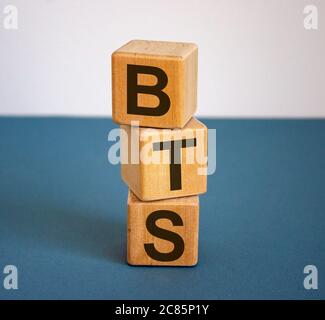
<point x="50" y="182"/>
<point x="62" y="229"/>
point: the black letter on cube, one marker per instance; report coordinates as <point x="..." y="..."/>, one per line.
<point x="133" y="89"/>
<point x="174" y="148"/>
<point x="164" y="234"/>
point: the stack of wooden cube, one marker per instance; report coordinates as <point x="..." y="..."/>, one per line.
<point x="163" y="149"/>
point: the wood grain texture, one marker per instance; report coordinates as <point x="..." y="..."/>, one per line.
<point x="152" y="180"/>
<point x="178" y="60"/>
<point x="138" y="211"/>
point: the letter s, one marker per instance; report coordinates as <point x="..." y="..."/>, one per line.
<point x="164" y="234"/>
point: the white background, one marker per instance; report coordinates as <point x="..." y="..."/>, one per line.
<point x="255" y="57"/>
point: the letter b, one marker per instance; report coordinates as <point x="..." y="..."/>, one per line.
<point x="154" y="83"/>
<point x="133" y="89"/>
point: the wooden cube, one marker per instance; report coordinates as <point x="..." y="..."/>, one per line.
<point x="164" y="232"/>
<point x="168" y="163"/>
<point x="154" y="83"/>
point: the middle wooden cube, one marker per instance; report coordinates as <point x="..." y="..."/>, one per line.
<point x="164" y="163"/>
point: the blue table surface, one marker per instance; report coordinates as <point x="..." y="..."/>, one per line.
<point x="63" y="214"/>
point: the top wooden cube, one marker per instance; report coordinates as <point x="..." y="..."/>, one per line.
<point x="154" y="83"/>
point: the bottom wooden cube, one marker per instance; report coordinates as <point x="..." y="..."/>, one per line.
<point x="163" y="232"/>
